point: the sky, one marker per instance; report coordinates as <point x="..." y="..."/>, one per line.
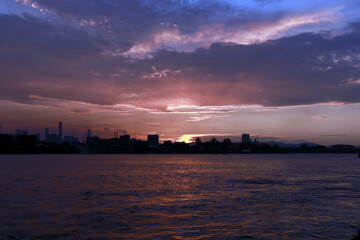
<point x="282" y="70"/>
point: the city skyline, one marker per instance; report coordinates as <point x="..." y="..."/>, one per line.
<point x="52" y="135"/>
<point x="280" y="70"/>
<point x="122" y="143"/>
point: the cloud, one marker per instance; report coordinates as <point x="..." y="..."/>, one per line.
<point x="320" y="117"/>
<point x="208" y="109"/>
<point x="263" y="2"/>
<point x="67" y="63"/>
<point x="294" y="70"/>
<point x="244" y="32"/>
<point x="160" y="74"/>
<point x="82" y="107"/>
<point x="139" y="28"/>
<point x="126" y="22"/>
<point x="334" y="135"/>
<point x="200" y="113"/>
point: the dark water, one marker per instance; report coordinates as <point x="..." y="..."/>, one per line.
<point x="179" y="196"/>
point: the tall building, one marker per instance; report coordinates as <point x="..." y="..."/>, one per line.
<point x="153" y="139"/>
<point x="60" y="131"/>
<point x="245" y="138"/>
<point x="24" y="132"/>
<point x="0" y="128"/>
<point x="89" y="133"/>
<point x="18" y="132"/>
<point x="46" y="134"/>
<point x="38" y="137"/>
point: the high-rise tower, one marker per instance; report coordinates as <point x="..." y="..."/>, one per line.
<point x="60" y="131"/>
<point x="46" y="134"/>
<point x="245" y="138"/>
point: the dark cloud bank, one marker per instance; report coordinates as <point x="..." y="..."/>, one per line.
<point x="62" y="60"/>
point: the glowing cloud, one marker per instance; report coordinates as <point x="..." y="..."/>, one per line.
<point x="172" y="38"/>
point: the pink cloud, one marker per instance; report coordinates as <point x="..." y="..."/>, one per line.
<point x="320" y="117"/>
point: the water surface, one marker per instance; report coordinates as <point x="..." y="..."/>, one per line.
<point x="295" y="196"/>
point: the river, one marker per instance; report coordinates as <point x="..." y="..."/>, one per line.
<point x="289" y="196"/>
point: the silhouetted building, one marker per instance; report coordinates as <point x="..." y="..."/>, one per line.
<point x="21" y="132"/>
<point x="153" y="139"/>
<point x="71" y="139"/>
<point x="46" y="134"/>
<point x="5" y="142"/>
<point x="89" y="133"/>
<point x="125" y="139"/>
<point x="92" y="140"/>
<point x="245" y="138"/>
<point x="53" y="138"/>
<point x="342" y="148"/>
<point x="60" y="131"/>
<point x="167" y="142"/>
<point x="17" y="144"/>
<point x="25" y="142"/>
<point x="38" y="137"/>
<point x="93" y="143"/>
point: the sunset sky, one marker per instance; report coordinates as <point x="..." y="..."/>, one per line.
<point x="284" y="70"/>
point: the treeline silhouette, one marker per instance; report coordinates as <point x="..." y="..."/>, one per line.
<point x="226" y="146"/>
<point x="212" y="146"/>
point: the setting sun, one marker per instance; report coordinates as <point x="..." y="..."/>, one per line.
<point x="186" y="138"/>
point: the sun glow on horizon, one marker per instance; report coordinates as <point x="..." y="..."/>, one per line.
<point x="187" y="138"/>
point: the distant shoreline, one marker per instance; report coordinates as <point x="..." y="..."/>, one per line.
<point x="175" y="153"/>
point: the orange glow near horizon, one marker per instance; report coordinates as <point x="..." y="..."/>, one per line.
<point x="186" y="138"/>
